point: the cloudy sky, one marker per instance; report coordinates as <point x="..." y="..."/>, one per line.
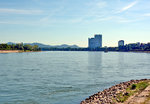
<point x="57" y="22"/>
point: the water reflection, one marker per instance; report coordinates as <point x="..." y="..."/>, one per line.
<point x="95" y="59"/>
<point x="95" y="64"/>
<point x="121" y="64"/>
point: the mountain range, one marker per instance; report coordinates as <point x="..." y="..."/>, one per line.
<point x="48" y="46"/>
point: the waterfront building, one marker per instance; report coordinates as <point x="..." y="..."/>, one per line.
<point x="95" y="42"/>
<point x="121" y="43"/>
<point x="138" y="44"/>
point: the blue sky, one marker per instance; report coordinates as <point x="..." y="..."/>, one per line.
<point x="57" y="22"/>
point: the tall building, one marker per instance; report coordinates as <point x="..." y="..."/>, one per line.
<point x="121" y="43"/>
<point x="95" y="42"/>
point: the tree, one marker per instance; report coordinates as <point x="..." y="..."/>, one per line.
<point x="27" y="47"/>
<point x="35" y="48"/>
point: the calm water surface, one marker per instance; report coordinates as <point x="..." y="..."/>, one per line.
<point x="65" y="77"/>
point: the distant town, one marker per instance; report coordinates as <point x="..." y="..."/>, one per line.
<point x="94" y="44"/>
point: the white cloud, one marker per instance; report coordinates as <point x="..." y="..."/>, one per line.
<point x="16" y="22"/>
<point x="147" y="14"/>
<point x="97" y="4"/>
<point x="128" y="6"/>
<point x="21" y="11"/>
<point x="125" y="20"/>
<point x="105" y="19"/>
<point x="101" y="4"/>
<point x="49" y="18"/>
<point x="10" y="22"/>
<point x="76" y="20"/>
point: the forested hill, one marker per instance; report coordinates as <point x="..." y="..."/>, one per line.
<point x="41" y="45"/>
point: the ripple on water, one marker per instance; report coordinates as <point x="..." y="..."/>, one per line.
<point x="65" y="77"/>
<point x="29" y="101"/>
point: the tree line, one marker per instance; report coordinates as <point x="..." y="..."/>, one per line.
<point x="19" y="46"/>
<point x="126" y="48"/>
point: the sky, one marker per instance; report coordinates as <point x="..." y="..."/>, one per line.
<point x="56" y="22"/>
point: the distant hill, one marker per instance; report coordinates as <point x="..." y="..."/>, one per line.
<point x="39" y="44"/>
<point x="10" y="43"/>
<point x="49" y="46"/>
<point x="66" y="46"/>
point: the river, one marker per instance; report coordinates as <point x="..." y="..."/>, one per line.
<point x="55" y="77"/>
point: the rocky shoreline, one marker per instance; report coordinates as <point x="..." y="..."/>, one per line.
<point x="108" y="96"/>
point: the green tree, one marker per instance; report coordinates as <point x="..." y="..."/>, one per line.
<point x="27" y="47"/>
<point x="35" y="48"/>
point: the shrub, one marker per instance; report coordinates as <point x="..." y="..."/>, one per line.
<point x="133" y="86"/>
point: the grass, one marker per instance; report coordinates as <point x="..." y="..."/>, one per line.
<point x="122" y="98"/>
<point x="134" y="88"/>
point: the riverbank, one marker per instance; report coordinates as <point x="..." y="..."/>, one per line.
<point x="131" y="92"/>
<point x="15" y="51"/>
<point x="9" y="51"/>
<point x="140" y="51"/>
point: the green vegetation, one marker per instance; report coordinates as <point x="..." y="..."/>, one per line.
<point x="134" y="88"/>
<point x="122" y="98"/>
<point x="20" y="47"/>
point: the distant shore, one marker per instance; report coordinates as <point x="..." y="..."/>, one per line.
<point x="141" y="51"/>
<point x="19" y="51"/>
<point x="15" y="51"/>
<point x="9" y="51"/>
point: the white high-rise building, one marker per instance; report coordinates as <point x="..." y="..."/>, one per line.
<point x="95" y="42"/>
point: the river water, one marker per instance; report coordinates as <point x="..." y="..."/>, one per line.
<point x="65" y="77"/>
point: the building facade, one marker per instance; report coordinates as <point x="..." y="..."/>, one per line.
<point x="95" y="42"/>
<point x="121" y="43"/>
